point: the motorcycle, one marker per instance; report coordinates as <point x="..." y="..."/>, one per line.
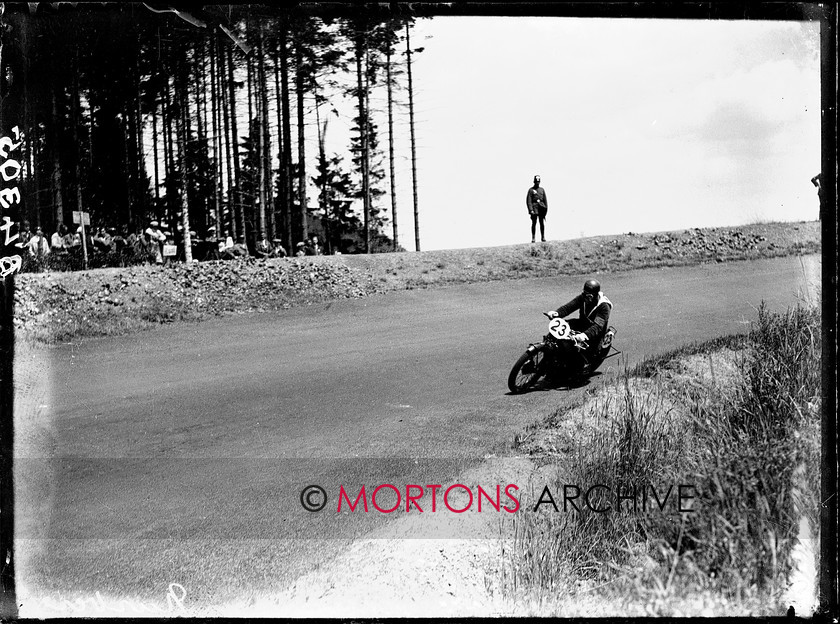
<point x="559" y="354"/>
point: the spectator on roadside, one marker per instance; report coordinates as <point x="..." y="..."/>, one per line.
<point x="211" y="236"/>
<point x="131" y="238"/>
<point x="140" y="246"/>
<point x="178" y="238"/>
<point x="237" y="250"/>
<point x="73" y="245"/>
<point x="154" y="240"/>
<point x="225" y="246"/>
<point x="817" y="181"/>
<point x="72" y="240"/>
<point x="169" y="245"/>
<point x="206" y="247"/>
<point x="263" y="248"/>
<point x="118" y="241"/>
<point x="87" y="239"/>
<point x="102" y="241"/>
<point x="57" y="240"/>
<point x="537" y="204"/>
<point x="314" y="248"/>
<point x="211" y="247"/>
<point x="240" y="248"/>
<point x="119" y="244"/>
<point x="25" y="233"/>
<point x="300" y="249"/>
<point x="278" y="251"/>
<point x="39" y="247"/>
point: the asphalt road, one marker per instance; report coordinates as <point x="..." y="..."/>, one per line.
<point x="178" y="455"/>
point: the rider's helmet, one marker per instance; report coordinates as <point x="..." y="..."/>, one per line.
<point x="592" y="287"/>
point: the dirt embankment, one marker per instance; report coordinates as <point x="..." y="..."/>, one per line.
<point x="59" y="306"/>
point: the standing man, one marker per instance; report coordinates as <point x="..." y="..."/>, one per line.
<point x="537" y="207"/>
<point x="817" y="181"/>
<point x="155" y="239"/>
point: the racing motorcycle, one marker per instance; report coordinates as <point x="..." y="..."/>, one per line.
<point x="560" y="355"/>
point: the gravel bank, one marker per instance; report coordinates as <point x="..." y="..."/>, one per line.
<point x="60" y="306"/>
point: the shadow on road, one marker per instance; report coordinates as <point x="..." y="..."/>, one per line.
<point x="557" y="384"/>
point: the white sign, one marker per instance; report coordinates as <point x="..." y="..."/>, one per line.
<point x="78" y="216"/>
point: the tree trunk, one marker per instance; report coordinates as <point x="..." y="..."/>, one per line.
<point x="413" y="144"/>
<point x="208" y="136"/>
<point x="230" y="223"/>
<point x="90" y="161"/>
<point x="27" y="147"/>
<point x="286" y="167"/>
<point x="141" y="187"/>
<point x="360" y="88"/>
<point x="366" y="161"/>
<point x="182" y="124"/>
<point x="258" y="101"/>
<point x="155" y="150"/>
<point x="325" y="204"/>
<point x="77" y="169"/>
<point x="36" y="179"/>
<point x="237" y="172"/>
<point x="57" y="181"/>
<point x="214" y="119"/>
<point x="304" y="225"/>
<point x="164" y="112"/>
<point x="187" y="132"/>
<point x="170" y="144"/>
<point x="391" y="145"/>
<point x="126" y="139"/>
<point x="282" y="180"/>
<point x="265" y="157"/>
<point x="129" y="142"/>
<point x="252" y="199"/>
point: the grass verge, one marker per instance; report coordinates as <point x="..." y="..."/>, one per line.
<point x="744" y="436"/>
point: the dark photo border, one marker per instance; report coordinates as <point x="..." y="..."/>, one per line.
<point x="827" y="14"/>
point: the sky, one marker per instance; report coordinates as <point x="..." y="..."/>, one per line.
<point x="633" y="125"/>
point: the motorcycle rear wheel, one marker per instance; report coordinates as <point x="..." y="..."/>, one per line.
<point x="526" y="372"/>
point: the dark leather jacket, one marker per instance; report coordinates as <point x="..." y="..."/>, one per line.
<point x="536" y="200"/>
<point x="594" y="320"/>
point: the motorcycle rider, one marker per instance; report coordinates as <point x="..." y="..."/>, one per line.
<point x="592" y="324"/>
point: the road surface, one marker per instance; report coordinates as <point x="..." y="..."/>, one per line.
<point x="178" y="455"/>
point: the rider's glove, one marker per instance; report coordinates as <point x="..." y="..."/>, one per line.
<point x="552" y="314"/>
<point x="581" y="340"/>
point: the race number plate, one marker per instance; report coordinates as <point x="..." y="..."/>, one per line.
<point x="559" y="328"/>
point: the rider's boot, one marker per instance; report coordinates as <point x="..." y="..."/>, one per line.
<point x="585" y="367"/>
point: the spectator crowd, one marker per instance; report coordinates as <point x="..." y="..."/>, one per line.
<point x="157" y="243"/>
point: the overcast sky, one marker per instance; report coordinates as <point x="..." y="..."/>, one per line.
<point x="633" y="125"/>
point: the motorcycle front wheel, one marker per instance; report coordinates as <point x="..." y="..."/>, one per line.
<point x="527" y="371"/>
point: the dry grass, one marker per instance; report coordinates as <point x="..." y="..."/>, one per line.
<point x="738" y="425"/>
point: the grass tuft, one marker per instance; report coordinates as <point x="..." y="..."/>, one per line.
<point x="738" y="444"/>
